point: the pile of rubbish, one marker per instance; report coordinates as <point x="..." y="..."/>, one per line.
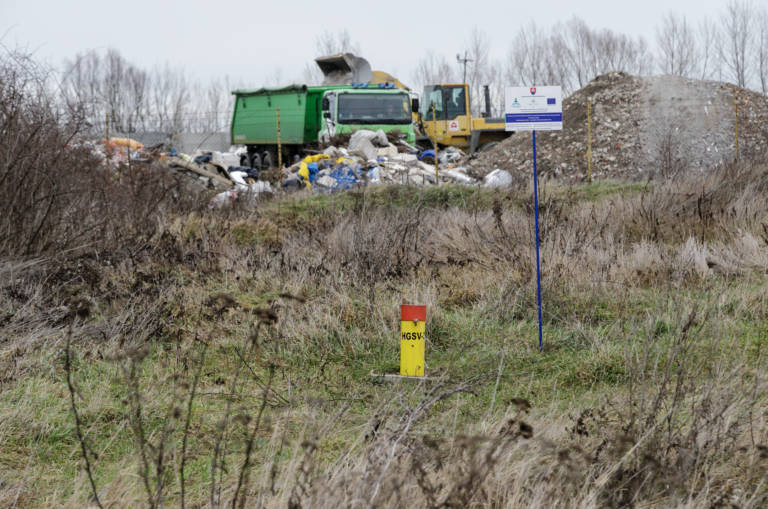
<point x="122" y="151"/>
<point x="637" y="123"/>
<point x="203" y="171"/>
<point x="370" y="158"/>
<point x="221" y="171"/>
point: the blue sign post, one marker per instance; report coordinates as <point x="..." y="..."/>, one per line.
<point x="538" y="265"/>
<point x="532" y="109"/>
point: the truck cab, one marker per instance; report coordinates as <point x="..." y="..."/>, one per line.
<point x="363" y="107"/>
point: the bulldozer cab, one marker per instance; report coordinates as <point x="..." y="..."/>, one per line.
<point x="445" y="112"/>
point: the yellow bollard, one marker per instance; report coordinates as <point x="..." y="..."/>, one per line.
<point x="413" y="321"/>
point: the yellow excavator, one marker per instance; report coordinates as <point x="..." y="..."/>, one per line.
<point x="446" y="118"/>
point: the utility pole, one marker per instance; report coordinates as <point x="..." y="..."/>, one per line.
<point x="463" y="61"/>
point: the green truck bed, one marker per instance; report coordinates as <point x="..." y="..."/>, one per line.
<point x="254" y="120"/>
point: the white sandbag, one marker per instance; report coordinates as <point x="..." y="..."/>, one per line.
<point x="498" y="178"/>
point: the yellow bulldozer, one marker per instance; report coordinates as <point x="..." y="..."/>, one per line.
<point x="446" y="119"/>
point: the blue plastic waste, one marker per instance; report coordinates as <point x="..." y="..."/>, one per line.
<point x="345" y="177"/>
<point x="312" y="167"/>
<point x="427" y="153"/>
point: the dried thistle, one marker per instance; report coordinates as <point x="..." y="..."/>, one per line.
<point x="227" y="300"/>
<point x="242" y="419"/>
<point x="81" y="306"/>
<point x="526" y="430"/>
<point x="293" y="297"/>
<point x="266" y="315"/>
<point x="521" y="403"/>
<point x="315" y="402"/>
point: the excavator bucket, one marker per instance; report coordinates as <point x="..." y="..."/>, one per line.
<point x="382" y="77"/>
<point x="344" y="69"/>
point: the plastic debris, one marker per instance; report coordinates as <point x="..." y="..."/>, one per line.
<point x="225" y="199"/>
<point x="498" y="178"/>
<point x="327" y="181"/>
<point x="126" y="143"/>
<point x="362" y="147"/>
<point x="427" y="153"/>
<point x="389" y="151"/>
<point x="459" y="177"/>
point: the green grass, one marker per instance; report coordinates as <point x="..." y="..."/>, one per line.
<point x="467" y="341"/>
<point x="302" y="209"/>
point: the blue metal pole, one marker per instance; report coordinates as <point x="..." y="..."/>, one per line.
<point x="538" y="268"/>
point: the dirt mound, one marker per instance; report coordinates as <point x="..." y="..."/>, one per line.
<point x="641" y="125"/>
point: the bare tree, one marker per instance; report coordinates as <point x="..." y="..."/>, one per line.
<point x="276" y="78"/>
<point x="761" y="48"/>
<point x="709" y="59"/>
<point x="614" y="52"/>
<point x="676" y="45"/>
<point x="112" y="91"/>
<point x="496" y="83"/>
<point x="432" y="70"/>
<point x="477" y="50"/>
<point x="312" y="74"/>
<point x="81" y="81"/>
<point x="170" y="97"/>
<point x="137" y="92"/>
<point x="734" y="41"/>
<point x="571" y="43"/>
<point x="644" y="63"/>
<point x="526" y="60"/>
<point x="330" y="44"/>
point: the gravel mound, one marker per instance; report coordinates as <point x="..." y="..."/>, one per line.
<point x="640" y="126"/>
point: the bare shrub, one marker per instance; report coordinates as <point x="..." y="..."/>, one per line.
<point x="376" y="246"/>
<point x="55" y="195"/>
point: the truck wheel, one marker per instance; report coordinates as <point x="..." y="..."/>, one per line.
<point x="256" y="162"/>
<point x="245" y="161"/>
<point x="268" y="161"/>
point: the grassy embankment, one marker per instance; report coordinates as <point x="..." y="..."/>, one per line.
<point x="648" y="390"/>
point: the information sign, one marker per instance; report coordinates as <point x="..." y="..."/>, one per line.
<point x="533" y="108"/>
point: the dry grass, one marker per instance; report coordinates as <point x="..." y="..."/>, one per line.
<point x="226" y="354"/>
<point x="673" y="414"/>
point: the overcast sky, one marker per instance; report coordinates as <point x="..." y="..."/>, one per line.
<point x="247" y="39"/>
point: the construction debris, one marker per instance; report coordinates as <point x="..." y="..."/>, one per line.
<point x="371" y="159"/>
<point x="639" y="125"/>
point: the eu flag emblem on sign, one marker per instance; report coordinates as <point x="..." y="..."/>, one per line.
<point x="533" y="90"/>
<point x="551" y="100"/>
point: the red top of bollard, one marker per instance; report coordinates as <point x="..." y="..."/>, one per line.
<point x="410" y="313"/>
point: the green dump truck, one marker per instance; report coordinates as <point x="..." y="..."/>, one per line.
<point x="310" y="114"/>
